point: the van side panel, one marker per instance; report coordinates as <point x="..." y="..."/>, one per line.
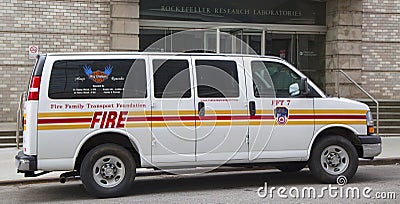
<point x="65" y="123"/>
<point x="341" y="112"/>
<point x="30" y="127"/>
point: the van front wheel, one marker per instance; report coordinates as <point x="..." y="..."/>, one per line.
<point x="108" y="170"/>
<point x="331" y="157"/>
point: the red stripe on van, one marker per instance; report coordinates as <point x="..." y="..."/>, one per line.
<point x="64" y="120"/>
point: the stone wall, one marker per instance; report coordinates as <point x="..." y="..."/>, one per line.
<point x="343" y="47"/>
<point x="125" y="25"/>
<point x="381" y="48"/>
<point x="58" y="26"/>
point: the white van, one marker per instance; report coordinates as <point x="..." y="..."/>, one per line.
<point x="102" y="115"/>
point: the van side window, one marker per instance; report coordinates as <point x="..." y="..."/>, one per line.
<point x="171" y="79"/>
<point x="217" y="79"/>
<point x="285" y="81"/>
<point x="262" y="83"/>
<point x="86" y="79"/>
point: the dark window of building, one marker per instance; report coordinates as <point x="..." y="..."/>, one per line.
<point x="217" y="79"/>
<point x="171" y="79"/>
<point x="85" y="79"/>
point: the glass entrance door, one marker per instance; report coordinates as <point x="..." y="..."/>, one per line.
<point x="251" y="39"/>
<point x="281" y="45"/>
<point x="233" y="40"/>
<point x="306" y="51"/>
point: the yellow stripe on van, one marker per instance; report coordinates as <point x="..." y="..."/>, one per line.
<point x="261" y="122"/>
<point x="172" y="124"/>
<point x="137" y="125"/>
<point x="346" y="122"/>
<point x="174" y="112"/>
<point x="226" y="112"/>
<point x="299" y="111"/>
<point x="264" y="112"/>
<point x="139" y="113"/>
<point x="345" y="112"/>
<point x="65" y="114"/>
<point x="63" y="127"/>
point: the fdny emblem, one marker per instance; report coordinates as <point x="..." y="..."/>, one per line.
<point x="281" y="115"/>
<point x="98" y="76"/>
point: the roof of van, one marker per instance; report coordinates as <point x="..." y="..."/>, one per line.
<point x="159" y="53"/>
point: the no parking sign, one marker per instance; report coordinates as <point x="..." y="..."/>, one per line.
<point x="33" y="51"/>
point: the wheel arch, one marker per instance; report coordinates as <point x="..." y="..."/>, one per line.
<point x="96" y="138"/>
<point x="341" y="130"/>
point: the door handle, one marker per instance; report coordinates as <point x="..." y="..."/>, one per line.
<point x="201" y="109"/>
<point x="252" y="107"/>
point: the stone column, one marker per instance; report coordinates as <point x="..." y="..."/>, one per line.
<point x="343" y="46"/>
<point x="124" y="25"/>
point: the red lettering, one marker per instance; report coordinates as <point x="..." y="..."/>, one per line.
<point x="95" y="119"/>
<point x="122" y="119"/>
<point x="103" y="120"/>
<point x="112" y="116"/>
<point x="109" y="119"/>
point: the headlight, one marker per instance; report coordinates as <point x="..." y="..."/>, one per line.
<point x="370" y="123"/>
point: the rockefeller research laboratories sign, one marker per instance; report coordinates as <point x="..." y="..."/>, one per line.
<point x="309" y="12"/>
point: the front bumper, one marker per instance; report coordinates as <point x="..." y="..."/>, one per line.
<point x="371" y="145"/>
<point x="25" y="163"/>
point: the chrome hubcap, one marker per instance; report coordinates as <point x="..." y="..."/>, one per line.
<point x="108" y="171"/>
<point x="334" y="160"/>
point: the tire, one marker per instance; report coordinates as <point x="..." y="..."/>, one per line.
<point x="291" y="167"/>
<point x="108" y="170"/>
<point x="331" y="157"/>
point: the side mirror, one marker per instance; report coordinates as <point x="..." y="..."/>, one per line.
<point x="304" y="86"/>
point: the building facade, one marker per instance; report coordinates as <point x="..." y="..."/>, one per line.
<point x="317" y="36"/>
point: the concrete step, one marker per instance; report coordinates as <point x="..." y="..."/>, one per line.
<point x="381" y="102"/>
<point x="389" y="122"/>
<point x="386" y="110"/>
<point x="9" y="139"/>
<point x="7" y="132"/>
<point x="389" y="130"/>
<point x="7" y="145"/>
<point x="387" y="115"/>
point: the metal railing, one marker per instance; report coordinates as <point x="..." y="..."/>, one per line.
<point x="20" y="119"/>
<point x="362" y="90"/>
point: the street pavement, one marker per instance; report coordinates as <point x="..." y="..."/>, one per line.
<point x="224" y="187"/>
<point x="390" y="150"/>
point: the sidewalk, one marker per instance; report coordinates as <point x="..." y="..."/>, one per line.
<point x="390" y="150"/>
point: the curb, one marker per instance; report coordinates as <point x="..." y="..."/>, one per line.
<point x="363" y="162"/>
<point x="381" y="161"/>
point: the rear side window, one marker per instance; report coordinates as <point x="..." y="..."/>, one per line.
<point x="217" y="79"/>
<point x="171" y="79"/>
<point x="85" y="79"/>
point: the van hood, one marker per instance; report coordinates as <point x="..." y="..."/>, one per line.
<point x="340" y="103"/>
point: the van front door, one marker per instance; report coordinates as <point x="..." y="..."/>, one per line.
<point x="173" y="115"/>
<point x="282" y="123"/>
<point x="221" y="109"/>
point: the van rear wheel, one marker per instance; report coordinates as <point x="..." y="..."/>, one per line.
<point x="108" y="170"/>
<point x="331" y="157"/>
